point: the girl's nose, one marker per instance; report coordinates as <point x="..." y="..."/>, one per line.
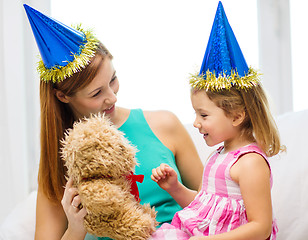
<point x="197" y="124"/>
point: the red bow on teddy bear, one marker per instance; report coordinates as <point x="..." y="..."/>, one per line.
<point x="133" y="184"/>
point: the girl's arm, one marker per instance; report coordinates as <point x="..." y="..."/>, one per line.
<point x="167" y="179"/>
<point x="51" y="220"/>
<point x="252" y="173"/>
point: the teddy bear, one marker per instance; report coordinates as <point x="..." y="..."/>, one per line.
<point x="101" y="162"/>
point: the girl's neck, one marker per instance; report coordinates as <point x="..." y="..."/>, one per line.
<point x="236" y="143"/>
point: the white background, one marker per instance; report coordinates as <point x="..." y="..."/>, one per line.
<point x="157" y="44"/>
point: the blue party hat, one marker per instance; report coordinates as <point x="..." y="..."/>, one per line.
<point x="223" y="64"/>
<point x="64" y="50"/>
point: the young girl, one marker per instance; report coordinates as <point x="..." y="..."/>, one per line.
<point x="234" y="200"/>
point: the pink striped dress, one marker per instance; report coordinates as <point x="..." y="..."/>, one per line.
<point x="218" y="207"/>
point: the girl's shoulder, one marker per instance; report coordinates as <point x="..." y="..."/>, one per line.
<point x="250" y="163"/>
<point x="250" y="148"/>
<point x="251" y="160"/>
<point x="250" y="155"/>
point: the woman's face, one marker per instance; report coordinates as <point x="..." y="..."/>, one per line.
<point x="97" y="97"/>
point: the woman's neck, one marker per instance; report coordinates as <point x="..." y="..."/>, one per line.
<point x="120" y="116"/>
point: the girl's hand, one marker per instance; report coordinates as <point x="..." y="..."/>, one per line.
<point x="165" y="177"/>
<point x="73" y="209"/>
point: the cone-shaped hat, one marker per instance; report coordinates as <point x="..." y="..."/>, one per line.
<point x="64" y="50"/>
<point x="223" y="64"/>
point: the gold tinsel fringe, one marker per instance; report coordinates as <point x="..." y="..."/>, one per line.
<point x="59" y="73"/>
<point x="210" y="82"/>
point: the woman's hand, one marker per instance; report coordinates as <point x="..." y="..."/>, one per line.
<point x="165" y="177"/>
<point x="73" y="209"/>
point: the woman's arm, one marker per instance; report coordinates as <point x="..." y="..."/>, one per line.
<point x="252" y="173"/>
<point x="171" y="132"/>
<point x="51" y="220"/>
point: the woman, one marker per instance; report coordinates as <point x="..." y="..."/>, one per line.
<point x="75" y="90"/>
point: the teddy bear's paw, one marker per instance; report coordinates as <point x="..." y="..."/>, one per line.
<point x="140" y="222"/>
<point x="135" y="222"/>
<point x="103" y="197"/>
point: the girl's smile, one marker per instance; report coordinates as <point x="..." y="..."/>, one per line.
<point x="212" y="121"/>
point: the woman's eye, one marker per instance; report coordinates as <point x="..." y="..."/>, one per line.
<point x="113" y="79"/>
<point x="96" y="94"/>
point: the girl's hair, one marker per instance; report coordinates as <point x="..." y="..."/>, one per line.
<point x="258" y="125"/>
<point x="56" y="117"/>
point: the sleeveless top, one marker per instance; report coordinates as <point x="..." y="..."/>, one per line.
<point x="219" y="206"/>
<point x="151" y="152"/>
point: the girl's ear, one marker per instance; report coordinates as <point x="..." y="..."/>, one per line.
<point x="61" y="96"/>
<point x="238" y="118"/>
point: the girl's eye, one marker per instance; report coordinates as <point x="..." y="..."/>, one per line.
<point x="203" y="115"/>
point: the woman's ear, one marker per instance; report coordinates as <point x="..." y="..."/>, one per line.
<point x="61" y="96"/>
<point x="238" y="118"/>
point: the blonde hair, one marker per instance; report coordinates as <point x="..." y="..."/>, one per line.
<point x="56" y="117"/>
<point x="258" y="125"/>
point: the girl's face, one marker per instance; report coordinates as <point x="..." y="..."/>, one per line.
<point x="97" y="97"/>
<point x="211" y="120"/>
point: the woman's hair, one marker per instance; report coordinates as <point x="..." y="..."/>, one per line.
<point x="258" y="124"/>
<point x="56" y="117"/>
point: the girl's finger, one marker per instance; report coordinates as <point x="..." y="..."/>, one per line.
<point x="155" y="177"/>
<point x="163" y="170"/>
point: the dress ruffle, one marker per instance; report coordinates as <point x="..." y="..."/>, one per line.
<point x="210" y="214"/>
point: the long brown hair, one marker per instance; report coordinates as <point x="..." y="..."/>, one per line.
<point x="258" y="125"/>
<point x="56" y="117"/>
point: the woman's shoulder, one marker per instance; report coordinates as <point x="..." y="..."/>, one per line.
<point x="167" y="127"/>
<point x="162" y="118"/>
<point x="159" y="113"/>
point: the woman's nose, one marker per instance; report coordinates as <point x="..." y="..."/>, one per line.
<point x="112" y="97"/>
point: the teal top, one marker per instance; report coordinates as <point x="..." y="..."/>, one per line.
<point x="151" y="153"/>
